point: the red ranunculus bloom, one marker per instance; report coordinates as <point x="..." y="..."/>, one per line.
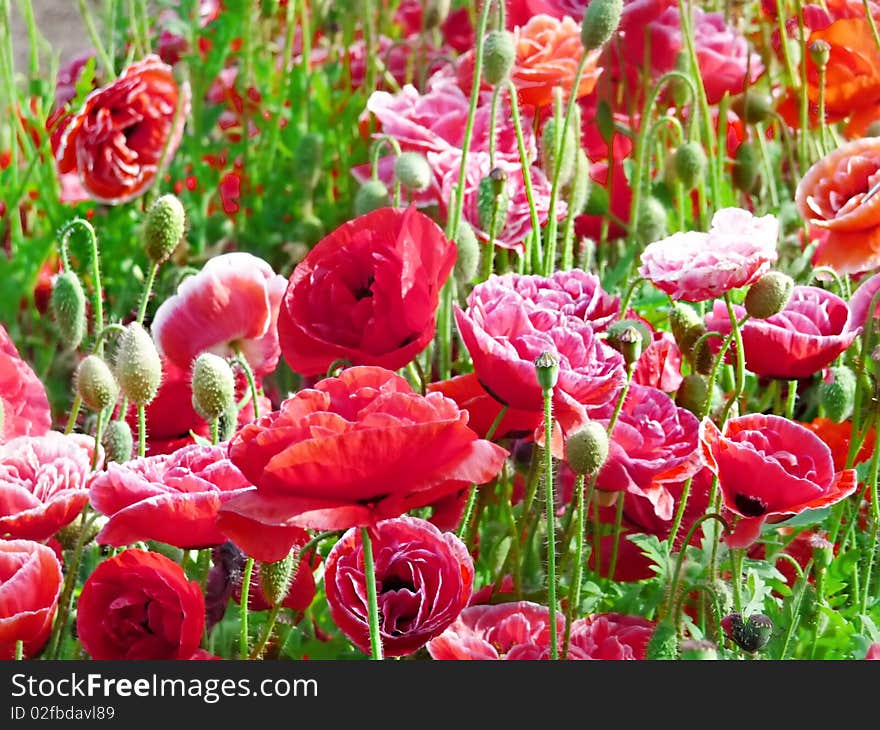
<point x="43" y="483"/>
<point x="140" y="605"/>
<point x="509" y="322"/>
<point x="610" y="636"/>
<point x="351" y="451"/>
<point x="23" y="401"/>
<point x="30" y="583"/>
<point x="515" y="630"/>
<point x="424" y="578"/>
<point x="230" y="305"/>
<point x="806" y="336"/>
<point x="366" y="293"/>
<point x="125" y="131"/>
<point x="171" y="498"/>
<point x="770" y="468"/>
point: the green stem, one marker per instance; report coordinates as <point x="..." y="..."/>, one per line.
<point x="790" y="399"/>
<point x="796" y="609"/>
<point x="740" y="359"/>
<point x="74" y="414"/>
<point x="142" y="430"/>
<point x="875" y="521"/>
<point x="99" y="427"/>
<point x="148" y="288"/>
<point x="615" y="545"/>
<point x="736" y="556"/>
<point x="472" y="496"/>
<point x="101" y="52"/>
<point x="215" y="431"/>
<point x="19" y="650"/>
<point x="64" y="235"/>
<point x="676" y="575"/>
<point x="535" y="240"/>
<point x="243" y="649"/>
<point x="372" y="600"/>
<point x="252" y="383"/>
<point x="70" y="580"/>
<point x="551" y="519"/>
<point x="577" y="578"/>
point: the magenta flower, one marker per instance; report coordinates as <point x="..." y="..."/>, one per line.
<point x="610" y="636"/>
<point x="23" y="402"/>
<point x="813" y="329"/>
<point x="696" y="266"/>
<point x="424" y="578"/>
<point x="230" y="305"/>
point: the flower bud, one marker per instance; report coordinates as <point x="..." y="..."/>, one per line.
<point x="568" y="146"/>
<point x="492" y="201"/>
<point x="213" y="386"/>
<point x="95" y="383"/>
<point x="413" y="171"/>
<point x="579" y="187"/>
<point x="745" y="168"/>
<point x="468" y="257"/>
<point x="601" y="19"/>
<point x="663" y="643"/>
<point x="68" y="306"/>
<point x="371" y="195"/>
<point x="275" y="579"/>
<point x="698" y="649"/>
<point x="434" y="13"/>
<point x="686" y="325"/>
<point x="499" y="54"/>
<point x="651" y="223"/>
<point x="693" y="393"/>
<point x="753" y="107"/>
<point x="751" y="634"/>
<point x="837" y="394"/>
<point x="678" y="88"/>
<point x="690" y="164"/>
<point x="820" y="52"/>
<point x="769" y="295"/>
<point x="117" y="441"/>
<point x="164" y="228"/>
<point x="308" y="158"/>
<point x="138" y="365"/>
<point x="547" y="370"/>
<point x="586" y="449"/>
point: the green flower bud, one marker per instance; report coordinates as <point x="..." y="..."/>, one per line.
<point x="164" y="228"/>
<point x="837" y="395"/>
<point x="579" y="187"/>
<point x="468" y="258"/>
<point x="586" y="449"/>
<point x="413" y="171"/>
<point x="434" y="13"/>
<point x="687" y="326"/>
<point x="569" y="147"/>
<point x="492" y="201"/>
<point x="690" y="164"/>
<point x="499" y="54"/>
<point x="820" y="52"/>
<point x="678" y="88"/>
<point x="275" y="579"/>
<point x="753" y="107"/>
<point x="651" y="224"/>
<point x="547" y="370"/>
<point x="95" y="383"/>
<point x="371" y="195"/>
<point x="629" y="337"/>
<point x="68" y="306"/>
<point x="138" y="365"/>
<point x="745" y="168"/>
<point x="693" y="393"/>
<point x="118" y="442"/>
<point x="663" y="644"/>
<point x="769" y="295"/>
<point x="601" y="19"/>
<point x="308" y="158"/>
<point x="213" y="386"/>
<point x="698" y="650"/>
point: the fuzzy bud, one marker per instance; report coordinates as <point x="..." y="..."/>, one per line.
<point x="751" y="634"/>
<point x="492" y="201"/>
<point x="499" y="54"/>
<point x="820" y="52"/>
<point x="138" y="365"/>
<point x="687" y="326"/>
<point x="118" y="442"/>
<point x="663" y="644"/>
<point x="68" y="306"/>
<point x="95" y="383"/>
<point x="769" y="295"/>
<point x="213" y="386"/>
<point x="601" y="19"/>
<point x="693" y="394"/>
<point x="586" y="448"/>
<point x="275" y="579"/>
<point x="579" y="187"/>
<point x="837" y="395"/>
<point x="308" y="159"/>
<point x="568" y="146"/>
<point x="468" y="257"/>
<point x="753" y="108"/>
<point x="629" y="337"/>
<point x="651" y="223"/>
<point x="370" y="196"/>
<point x="413" y="171"/>
<point x="164" y="228"/>
<point x="745" y="168"/>
<point x="547" y="370"/>
<point x="690" y="164"/>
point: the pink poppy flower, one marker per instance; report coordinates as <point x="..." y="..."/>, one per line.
<point x="813" y="329"/>
<point x="43" y="483"/>
<point x="696" y="266"/>
<point x="770" y="468"/>
<point x="24" y="406"/>
<point x="659" y="365"/>
<point x="515" y="630"/>
<point x="860" y="302"/>
<point x="504" y="331"/>
<point x="424" y="578"/>
<point x="610" y="636"/>
<point x="171" y="498"/>
<point x="231" y="304"/>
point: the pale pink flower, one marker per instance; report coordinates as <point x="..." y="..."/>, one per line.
<point x="24" y="406"/>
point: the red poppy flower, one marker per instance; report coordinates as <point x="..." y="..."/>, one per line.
<point x="23" y="401"/>
<point x="126" y="131"/>
<point x="171" y="498"/>
<point x="366" y="293"/>
<point x="140" y="605"/>
<point x="424" y="579"/>
<point x="30" y="584"/>
<point x="837" y="436"/>
<point x="351" y="451"/>
<point x="43" y="483"/>
<point x="806" y="336"/>
<point x="770" y="468"/>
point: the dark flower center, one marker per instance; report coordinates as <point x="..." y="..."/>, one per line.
<point x="750" y="506"/>
<point x="365" y="290"/>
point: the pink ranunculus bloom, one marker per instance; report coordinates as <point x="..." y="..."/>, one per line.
<point x="696" y="266"/>
<point x="813" y="329"/>
<point x="43" y="483"/>
<point x="769" y="469"/>
<point x="515" y="630"/>
<point x="504" y="331"/>
<point x="424" y="578"/>
<point x="24" y="406"/>
<point x="655" y="443"/>
<point x="231" y="304"/>
<point x="610" y="636"/>
<point x="172" y="498"/>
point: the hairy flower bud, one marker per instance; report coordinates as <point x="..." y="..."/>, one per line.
<point x="745" y="168"/>
<point x="117" y="441"/>
<point x="413" y="171"/>
<point x="568" y="148"/>
<point x="820" y="52"/>
<point x="769" y="295"/>
<point x="371" y="195"/>
<point x="690" y="164"/>
<point x="547" y="370"/>
<point x="629" y="337"/>
<point x="838" y="394"/>
<point x="164" y="228"/>
<point x="601" y="19"/>
<point x="579" y="187"/>
<point x="499" y="54"/>
<point x="663" y="644"/>
<point x="68" y="306"/>
<point x="492" y="201"/>
<point x="95" y="383"/>
<point x="138" y="365"/>
<point x="586" y="449"/>
<point x="213" y="386"/>
<point x="651" y="223"/>
<point x="468" y="257"/>
<point x="275" y="579"/>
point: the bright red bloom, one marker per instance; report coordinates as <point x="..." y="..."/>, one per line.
<point x="837" y="436"/>
<point x="770" y="468"/>
<point x="230" y="305"/>
<point x="126" y="131"/>
<point x="424" y="578"/>
<point x="171" y="498"/>
<point x="610" y="636"/>
<point x="43" y="483"/>
<point x="23" y="401"/>
<point x="30" y="584"/>
<point x="140" y="605"/>
<point x="366" y="293"/>
<point x="806" y="336"/>
<point x="351" y="451"/>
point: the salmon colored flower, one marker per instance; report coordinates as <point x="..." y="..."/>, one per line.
<point x="833" y="197"/>
<point x="126" y="131"/>
<point x="24" y="406"/>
